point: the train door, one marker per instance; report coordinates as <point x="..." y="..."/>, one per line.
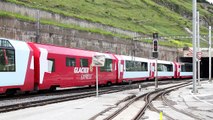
<point x="152" y="70"/>
<point x="120" y="70"/>
<point x="177" y="70"/>
<point x="107" y="74"/>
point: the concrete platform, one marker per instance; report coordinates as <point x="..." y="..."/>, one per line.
<point x="199" y="104"/>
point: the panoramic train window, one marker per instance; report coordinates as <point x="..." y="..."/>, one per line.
<point x="107" y="66"/>
<point x="84" y="62"/>
<point x="7" y="56"/>
<point x="129" y="65"/>
<point x="186" y="68"/>
<point x="161" y="67"/>
<point x="136" y="66"/>
<point x="70" y="62"/>
<point x="169" y="68"/>
<point x="144" y="66"/>
<point x="51" y="65"/>
<point x="5" y="44"/>
<point x="165" y="67"/>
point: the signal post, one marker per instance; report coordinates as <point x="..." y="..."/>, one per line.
<point x="155" y="55"/>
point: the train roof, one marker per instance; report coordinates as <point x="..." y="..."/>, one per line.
<point x="165" y="62"/>
<point x="132" y="58"/>
<point x="71" y="51"/>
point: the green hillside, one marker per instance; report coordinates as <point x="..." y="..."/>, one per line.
<point x="143" y="16"/>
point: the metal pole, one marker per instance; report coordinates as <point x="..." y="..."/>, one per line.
<point x="96" y="81"/>
<point x="194" y="45"/>
<point x="198" y="45"/>
<point x="156" y="77"/>
<point x="210" y="60"/>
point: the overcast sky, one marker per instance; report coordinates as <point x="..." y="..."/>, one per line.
<point x="211" y="1"/>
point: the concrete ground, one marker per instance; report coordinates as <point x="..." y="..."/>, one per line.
<point x="198" y="104"/>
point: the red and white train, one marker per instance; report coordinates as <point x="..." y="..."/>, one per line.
<point x="27" y="66"/>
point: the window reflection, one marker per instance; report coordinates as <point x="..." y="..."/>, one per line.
<point x="187" y="67"/>
<point x="7" y="59"/>
<point x="136" y="66"/>
<point x="107" y="66"/>
<point x="7" y="56"/>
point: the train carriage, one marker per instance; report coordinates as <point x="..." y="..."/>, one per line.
<point x="133" y="68"/>
<point x="186" y="70"/>
<point x="166" y="69"/>
<point x="32" y="67"/>
<point x="16" y="66"/>
<point x="66" y="67"/>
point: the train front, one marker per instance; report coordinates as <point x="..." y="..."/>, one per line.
<point x="16" y="66"/>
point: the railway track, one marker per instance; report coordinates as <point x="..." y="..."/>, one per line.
<point x="55" y="99"/>
<point x="168" y="103"/>
<point x="62" y="96"/>
<point x="147" y="99"/>
<point x="161" y="94"/>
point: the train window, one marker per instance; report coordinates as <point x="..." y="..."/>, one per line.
<point x="107" y="66"/>
<point x="51" y="65"/>
<point x="144" y="66"/>
<point x="129" y="65"/>
<point x="183" y="69"/>
<point x="84" y="62"/>
<point x="7" y="60"/>
<point x="165" y="67"/>
<point x="169" y="68"/>
<point x="161" y="67"/>
<point x="186" y="68"/>
<point x="5" y="43"/>
<point x="136" y="66"/>
<point x="7" y="57"/>
<point x="70" y="62"/>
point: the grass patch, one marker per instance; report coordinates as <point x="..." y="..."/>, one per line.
<point x="143" y="16"/>
<point x="54" y="23"/>
<point x="170" y="43"/>
<point x="17" y="16"/>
